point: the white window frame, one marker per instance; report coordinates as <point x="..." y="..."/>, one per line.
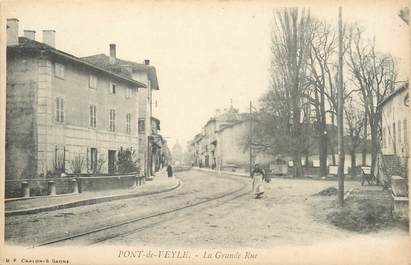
<point x="93" y="81"/>
<point x="59" y="110"/>
<point x="129" y="92"/>
<point x="112" y="120"/>
<point x="93" y="116"/>
<point x="59" y="70"/>
<point x="128" y="123"/>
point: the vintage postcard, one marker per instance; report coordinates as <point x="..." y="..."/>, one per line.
<point x="205" y="132"/>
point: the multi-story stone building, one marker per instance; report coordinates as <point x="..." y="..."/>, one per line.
<point x="394" y="141"/>
<point x="394" y="113"/>
<point x="149" y="147"/>
<point x="63" y="113"/>
<point x="223" y="141"/>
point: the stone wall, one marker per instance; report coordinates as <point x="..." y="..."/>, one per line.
<point x="21" y="149"/>
<point x="39" y="187"/>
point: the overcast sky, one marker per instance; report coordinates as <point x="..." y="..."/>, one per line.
<point x="205" y="53"/>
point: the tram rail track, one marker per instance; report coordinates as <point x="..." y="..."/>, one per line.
<point x="114" y="230"/>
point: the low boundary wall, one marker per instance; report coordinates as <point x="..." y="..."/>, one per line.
<point x="65" y="185"/>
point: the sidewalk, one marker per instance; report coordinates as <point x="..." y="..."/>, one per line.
<point x="160" y="183"/>
<point x="240" y="174"/>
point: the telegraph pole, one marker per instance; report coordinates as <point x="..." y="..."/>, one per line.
<point x="251" y="138"/>
<point x="340" y="113"/>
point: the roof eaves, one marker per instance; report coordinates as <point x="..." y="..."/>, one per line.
<point x="71" y="57"/>
<point x="395" y="92"/>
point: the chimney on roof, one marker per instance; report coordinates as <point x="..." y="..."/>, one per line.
<point x="112" y="53"/>
<point x="146" y="62"/>
<point x="49" y="37"/>
<point x="30" y="34"/>
<point x="12" y="31"/>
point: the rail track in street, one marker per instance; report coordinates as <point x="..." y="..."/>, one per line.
<point x="122" y="229"/>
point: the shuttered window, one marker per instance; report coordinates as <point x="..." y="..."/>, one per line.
<point x="128" y="123"/>
<point x="59" y="70"/>
<point x="112" y="120"/>
<point x="141" y="126"/>
<point x="93" y="116"/>
<point x="93" y="81"/>
<point x="405" y="131"/>
<point x="59" y="109"/>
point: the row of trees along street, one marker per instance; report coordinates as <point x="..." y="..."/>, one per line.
<point x="302" y="98"/>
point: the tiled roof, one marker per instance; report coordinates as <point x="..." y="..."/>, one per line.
<point x="103" y="61"/>
<point x="29" y="45"/>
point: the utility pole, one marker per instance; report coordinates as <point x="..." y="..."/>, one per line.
<point x="251" y="138"/>
<point x="340" y="113"/>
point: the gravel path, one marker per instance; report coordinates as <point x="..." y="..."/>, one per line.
<point x="286" y="215"/>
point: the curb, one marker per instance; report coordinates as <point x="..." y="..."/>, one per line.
<point x="88" y="201"/>
<point x="222" y="172"/>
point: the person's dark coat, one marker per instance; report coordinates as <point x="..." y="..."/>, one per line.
<point x="169" y="171"/>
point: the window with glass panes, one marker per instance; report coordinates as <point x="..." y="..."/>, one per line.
<point x="128" y="123"/>
<point x="93" y="116"/>
<point x="113" y="88"/>
<point x="93" y="81"/>
<point x="59" y="109"/>
<point x="112" y="120"/>
<point x="129" y="92"/>
<point x="141" y="126"/>
<point x="59" y="70"/>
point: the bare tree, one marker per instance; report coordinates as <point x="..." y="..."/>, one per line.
<point x="374" y="75"/>
<point x="321" y="58"/>
<point x="289" y="48"/>
<point x="354" y="115"/>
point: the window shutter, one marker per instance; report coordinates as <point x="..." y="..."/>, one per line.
<point x="62" y="110"/>
<point x="57" y="109"/>
<point x="88" y="159"/>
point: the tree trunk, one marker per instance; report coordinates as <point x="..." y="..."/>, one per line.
<point x="353" y="164"/>
<point x="323" y="138"/>
<point x="298" y="169"/>
<point x="323" y="154"/>
<point x="374" y="148"/>
<point x="364" y="146"/>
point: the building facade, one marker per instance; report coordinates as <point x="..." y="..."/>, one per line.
<point x="143" y="73"/>
<point x="64" y="114"/>
<point x="222" y="143"/>
<point x="394" y="141"/>
<point x="394" y="112"/>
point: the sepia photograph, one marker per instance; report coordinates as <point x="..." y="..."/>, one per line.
<point x="197" y="132"/>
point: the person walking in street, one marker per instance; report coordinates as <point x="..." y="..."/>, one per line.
<point x="169" y="171"/>
<point x="258" y="176"/>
